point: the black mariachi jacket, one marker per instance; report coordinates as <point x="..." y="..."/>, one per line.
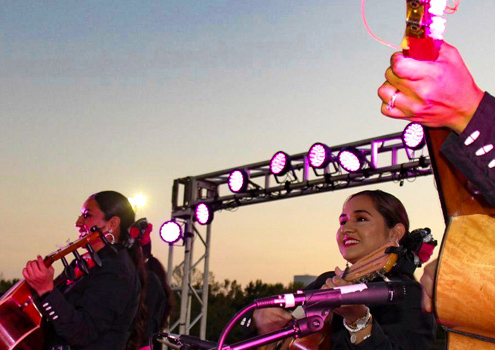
<point x="395" y="326"/>
<point x="472" y="152"/>
<point x="97" y="310"/>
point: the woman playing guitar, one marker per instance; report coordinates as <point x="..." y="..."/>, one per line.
<point x="95" y="310"/>
<point x="370" y="220"/>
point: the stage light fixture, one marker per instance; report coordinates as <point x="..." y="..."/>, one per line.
<point x="351" y="159"/>
<point x="280" y="164"/>
<point x="238" y="181"/>
<point x="413" y="136"/>
<point x="319" y="155"/>
<point x="170" y="232"/>
<point x="203" y="213"/>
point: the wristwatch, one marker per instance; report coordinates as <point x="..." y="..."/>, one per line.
<point x="358" y="325"/>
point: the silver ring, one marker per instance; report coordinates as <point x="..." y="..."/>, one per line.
<point x="391" y="103"/>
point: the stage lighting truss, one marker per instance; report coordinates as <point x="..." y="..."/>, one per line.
<point x="171" y="232"/>
<point x="317" y="170"/>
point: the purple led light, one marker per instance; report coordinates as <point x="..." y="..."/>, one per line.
<point x="349" y="161"/>
<point x="170" y="232"/>
<point x="237" y="181"/>
<point x="203" y="214"/>
<point x="318" y="156"/>
<point x="414" y="136"/>
<point x="279" y="163"/>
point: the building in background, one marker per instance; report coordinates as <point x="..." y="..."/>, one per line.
<point x="304" y="279"/>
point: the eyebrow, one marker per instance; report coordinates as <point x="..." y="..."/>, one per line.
<point x="359" y="211"/>
<point x="362" y="211"/>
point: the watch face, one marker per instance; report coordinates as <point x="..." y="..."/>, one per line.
<point x="353" y="338"/>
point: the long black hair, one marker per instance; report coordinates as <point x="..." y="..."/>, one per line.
<point x="154" y="265"/>
<point x="112" y="204"/>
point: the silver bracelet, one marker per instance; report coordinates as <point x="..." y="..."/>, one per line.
<point x="360" y="324"/>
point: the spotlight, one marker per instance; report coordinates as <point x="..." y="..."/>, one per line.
<point x="203" y="213"/>
<point x="413" y="136"/>
<point x="351" y="159"/>
<point x="238" y="181"/>
<point x="319" y="155"/>
<point x="170" y="232"/>
<point x="280" y="163"/>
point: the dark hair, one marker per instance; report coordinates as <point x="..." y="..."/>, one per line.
<point x="388" y="206"/>
<point x="154" y="265"/>
<point x="112" y="204"/>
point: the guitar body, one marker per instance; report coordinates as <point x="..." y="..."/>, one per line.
<point x="467" y="257"/>
<point x="464" y="284"/>
<point x="20" y="320"/>
<point x="315" y="341"/>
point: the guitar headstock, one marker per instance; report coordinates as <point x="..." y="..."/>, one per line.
<point x="424" y="29"/>
<point x="375" y="263"/>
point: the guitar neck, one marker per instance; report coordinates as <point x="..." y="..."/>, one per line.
<point x="69" y="248"/>
<point x="424" y="29"/>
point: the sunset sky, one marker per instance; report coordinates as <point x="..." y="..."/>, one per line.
<point x="130" y="95"/>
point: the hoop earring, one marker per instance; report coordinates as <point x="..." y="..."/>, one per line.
<point x="110" y="233"/>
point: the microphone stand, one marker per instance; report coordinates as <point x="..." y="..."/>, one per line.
<point x="298" y="328"/>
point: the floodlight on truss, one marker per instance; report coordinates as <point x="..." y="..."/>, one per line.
<point x="351" y="159"/>
<point x="319" y="155"/>
<point x="280" y="163"/>
<point x="170" y="232"/>
<point x="238" y="181"/>
<point x="203" y="213"/>
<point x="413" y="136"/>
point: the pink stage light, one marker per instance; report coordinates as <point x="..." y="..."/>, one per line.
<point x="203" y="213"/>
<point x="351" y="159"/>
<point x="280" y="163"/>
<point x="170" y="232"/>
<point x="319" y="155"/>
<point x="413" y="136"/>
<point x="238" y="181"/>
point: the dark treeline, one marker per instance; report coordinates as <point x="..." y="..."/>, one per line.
<point x="225" y="299"/>
<point x="5" y="285"/>
<point x="228" y="298"/>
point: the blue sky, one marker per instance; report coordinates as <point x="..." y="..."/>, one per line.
<point x="130" y="95"/>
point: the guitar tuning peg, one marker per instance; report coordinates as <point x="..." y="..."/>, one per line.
<point x="94" y="255"/>
<point x="104" y="239"/>
<point x="68" y="270"/>
<point x="81" y="263"/>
